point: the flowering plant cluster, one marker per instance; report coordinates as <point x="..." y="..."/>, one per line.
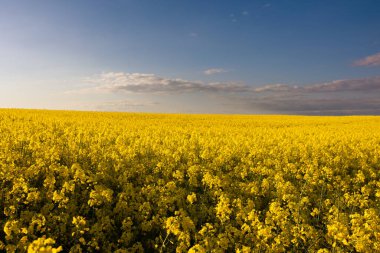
<point x="117" y="182"/>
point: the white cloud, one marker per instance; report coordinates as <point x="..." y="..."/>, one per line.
<point x="275" y="87"/>
<point x="361" y="85"/>
<point x="214" y="71"/>
<point x="233" y="18"/>
<point x="150" y="83"/>
<point x="267" y="5"/>
<point x="310" y="105"/>
<point x="339" y="97"/>
<point x="351" y="96"/>
<point x="372" y="60"/>
<point x="125" y="105"/>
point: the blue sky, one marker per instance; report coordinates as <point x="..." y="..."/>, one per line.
<point x="283" y="57"/>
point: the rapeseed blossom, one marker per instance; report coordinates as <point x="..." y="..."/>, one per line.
<point x="118" y="182"/>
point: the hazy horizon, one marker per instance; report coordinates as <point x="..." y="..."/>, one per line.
<point x="203" y="57"/>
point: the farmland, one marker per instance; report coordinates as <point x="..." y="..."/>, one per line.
<point x="127" y="182"/>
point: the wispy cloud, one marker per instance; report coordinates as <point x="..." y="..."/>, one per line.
<point x="372" y="60"/>
<point x="278" y="87"/>
<point x="126" y="103"/>
<point x="314" y="105"/>
<point x="115" y="105"/>
<point x="214" y="71"/>
<point x="233" y="18"/>
<point x="193" y="34"/>
<point x="339" y="97"/>
<point x="267" y="5"/>
<point x="351" y="96"/>
<point x="362" y="84"/>
<point x="150" y="83"/>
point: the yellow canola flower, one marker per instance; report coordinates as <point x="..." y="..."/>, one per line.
<point x="43" y="245"/>
<point x="137" y="182"/>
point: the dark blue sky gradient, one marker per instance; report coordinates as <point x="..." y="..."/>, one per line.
<point x="255" y="42"/>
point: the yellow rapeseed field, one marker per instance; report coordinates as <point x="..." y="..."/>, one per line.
<point x="124" y="182"/>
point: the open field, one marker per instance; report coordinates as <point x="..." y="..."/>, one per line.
<point x="119" y="182"/>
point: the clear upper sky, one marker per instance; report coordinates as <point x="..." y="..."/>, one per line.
<point x="285" y="56"/>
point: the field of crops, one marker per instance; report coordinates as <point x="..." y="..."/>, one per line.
<point x="118" y="182"/>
